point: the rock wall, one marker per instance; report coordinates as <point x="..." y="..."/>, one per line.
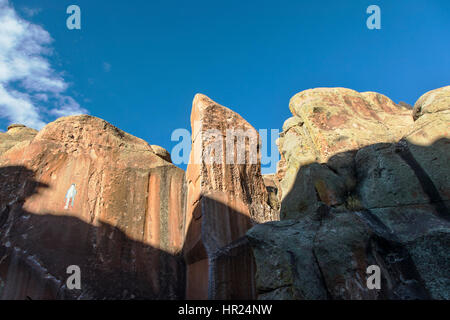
<point x="363" y="182"/>
<point x="124" y="228"/>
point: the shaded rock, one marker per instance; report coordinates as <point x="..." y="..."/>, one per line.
<point x="431" y="258"/>
<point x="285" y="293"/>
<point x="272" y="185"/>
<point x="385" y="180"/>
<point x="425" y="236"/>
<point x="327" y="256"/>
<point x="314" y="186"/>
<point x="124" y="228"/>
<point x="286" y="267"/>
<point x="426" y="146"/>
<point x="396" y="175"/>
<point x="348" y="243"/>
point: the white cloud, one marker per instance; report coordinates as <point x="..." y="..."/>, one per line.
<point x="28" y="83"/>
<point x="17" y="107"/>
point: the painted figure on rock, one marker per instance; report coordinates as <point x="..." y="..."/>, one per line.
<point x="70" y="195"/>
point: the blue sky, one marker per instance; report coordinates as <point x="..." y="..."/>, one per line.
<point x="138" y="64"/>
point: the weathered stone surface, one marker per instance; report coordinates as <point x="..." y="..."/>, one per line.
<point x="426" y="237"/>
<point x="314" y="186"/>
<point x="272" y="185"/>
<point x="329" y="124"/>
<point x="348" y="243"/>
<point x="427" y="146"/>
<point x="286" y="267"/>
<point x="385" y="180"/>
<point x="225" y="196"/>
<point x="326" y="257"/>
<point x="431" y="258"/>
<point x="377" y="181"/>
<point x="16" y="134"/>
<point x="338" y="119"/>
<point x="125" y="229"/>
<point x="434" y="101"/>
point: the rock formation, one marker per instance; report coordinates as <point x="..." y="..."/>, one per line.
<point x="16" y="134"/>
<point x="83" y="193"/>
<point x="318" y="143"/>
<point x="272" y="185"/>
<point x="363" y="182"/>
<point x="226" y="195"/>
<point x="161" y="152"/>
<point x="124" y="228"/>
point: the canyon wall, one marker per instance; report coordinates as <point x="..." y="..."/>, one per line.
<point x="362" y="181"/>
<point x="124" y="226"/>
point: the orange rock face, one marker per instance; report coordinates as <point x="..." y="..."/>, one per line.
<point x="226" y="195"/>
<point x="85" y="193"/>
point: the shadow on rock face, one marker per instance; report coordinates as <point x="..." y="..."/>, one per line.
<point x="219" y="260"/>
<point x="385" y="204"/>
<point x="37" y="249"/>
